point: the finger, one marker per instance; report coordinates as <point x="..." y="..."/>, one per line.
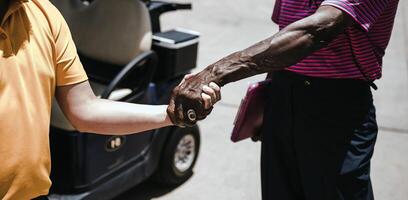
<point x="171" y="109"/>
<point x="180" y="114"/>
<point x="186" y="77"/>
<point x="182" y="81"/>
<point x="207" y="101"/>
<point x="170" y="114"/>
<point x="210" y="92"/>
<point x="217" y="90"/>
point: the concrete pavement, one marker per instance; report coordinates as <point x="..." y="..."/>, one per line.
<point x="231" y="171"/>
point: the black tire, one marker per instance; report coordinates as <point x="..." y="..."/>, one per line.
<point x="168" y="174"/>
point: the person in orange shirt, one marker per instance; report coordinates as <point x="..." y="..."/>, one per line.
<point x="37" y="60"/>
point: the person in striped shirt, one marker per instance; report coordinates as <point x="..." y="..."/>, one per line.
<point x="319" y="126"/>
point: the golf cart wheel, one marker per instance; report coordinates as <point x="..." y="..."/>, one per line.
<point x="179" y="157"/>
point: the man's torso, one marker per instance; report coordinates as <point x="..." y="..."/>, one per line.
<point x="27" y="82"/>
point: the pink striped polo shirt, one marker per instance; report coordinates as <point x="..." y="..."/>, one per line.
<point x="359" y="50"/>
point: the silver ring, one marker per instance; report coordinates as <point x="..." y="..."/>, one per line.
<point x="192" y="116"/>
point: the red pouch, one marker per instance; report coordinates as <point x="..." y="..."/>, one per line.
<point x="249" y="118"/>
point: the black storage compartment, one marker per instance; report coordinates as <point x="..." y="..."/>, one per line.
<point x="177" y="51"/>
<point x="82" y="161"/>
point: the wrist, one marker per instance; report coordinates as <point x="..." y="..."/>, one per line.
<point x="164" y="116"/>
<point x="234" y="67"/>
<point x="213" y="73"/>
<point x="167" y="121"/>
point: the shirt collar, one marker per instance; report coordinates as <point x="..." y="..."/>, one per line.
<point x="13" y="7"/>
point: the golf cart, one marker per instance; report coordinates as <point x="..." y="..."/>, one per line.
<point x="127" y="58"/>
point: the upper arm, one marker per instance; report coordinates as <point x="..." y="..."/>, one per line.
<point x="327" y="23"/>
<point x="74" y="98"/>
<point x="323" y="26"/>
<point x="334" y="16"/>
<point x="364" y="13"/>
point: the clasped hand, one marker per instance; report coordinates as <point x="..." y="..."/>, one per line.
<point x="193" y="94"/>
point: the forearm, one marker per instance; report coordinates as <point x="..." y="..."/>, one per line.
<point x="282" y="50"/>
<point x="118" y="118"/>
<point x="87" y="113"/>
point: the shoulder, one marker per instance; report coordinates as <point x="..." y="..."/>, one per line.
<point x="53" y="17"/>
<point x="45" y="5"/>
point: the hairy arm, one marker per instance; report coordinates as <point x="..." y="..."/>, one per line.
<point x="87" y="113"/>
<point x="282" y="50"/>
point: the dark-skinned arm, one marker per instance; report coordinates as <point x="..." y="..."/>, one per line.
<point x="284" y="49"/>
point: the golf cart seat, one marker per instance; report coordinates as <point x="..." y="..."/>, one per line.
<point x="108" y="30"/>
<point x="113" y="39"/>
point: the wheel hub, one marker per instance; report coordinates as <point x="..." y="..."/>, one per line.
<point x="185" y="153"/>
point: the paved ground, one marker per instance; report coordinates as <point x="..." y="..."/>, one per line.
<point x="231" y="171"/>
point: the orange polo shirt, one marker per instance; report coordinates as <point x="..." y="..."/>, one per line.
<point x="36" y="55"/>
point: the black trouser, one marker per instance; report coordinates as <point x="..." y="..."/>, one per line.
<point x="318" y="139"/>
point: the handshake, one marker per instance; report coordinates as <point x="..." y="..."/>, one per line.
<point x="192" y="100"/>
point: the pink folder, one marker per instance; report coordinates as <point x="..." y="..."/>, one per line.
<point x="249" y="118"/>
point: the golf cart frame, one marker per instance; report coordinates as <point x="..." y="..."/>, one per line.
<point x="90" y="166"/>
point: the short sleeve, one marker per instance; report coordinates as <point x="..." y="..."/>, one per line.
<point x="364" y="12"/>
<point x="276" y="11"/>
<point x="68" y="67"/>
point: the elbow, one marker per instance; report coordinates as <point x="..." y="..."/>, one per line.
<point x="321" y="33"/>
<point x="81" y="125"/>
<point x="325" y="26"/>
<point x="83" y="128"/>
<point x="81" y="121"/>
